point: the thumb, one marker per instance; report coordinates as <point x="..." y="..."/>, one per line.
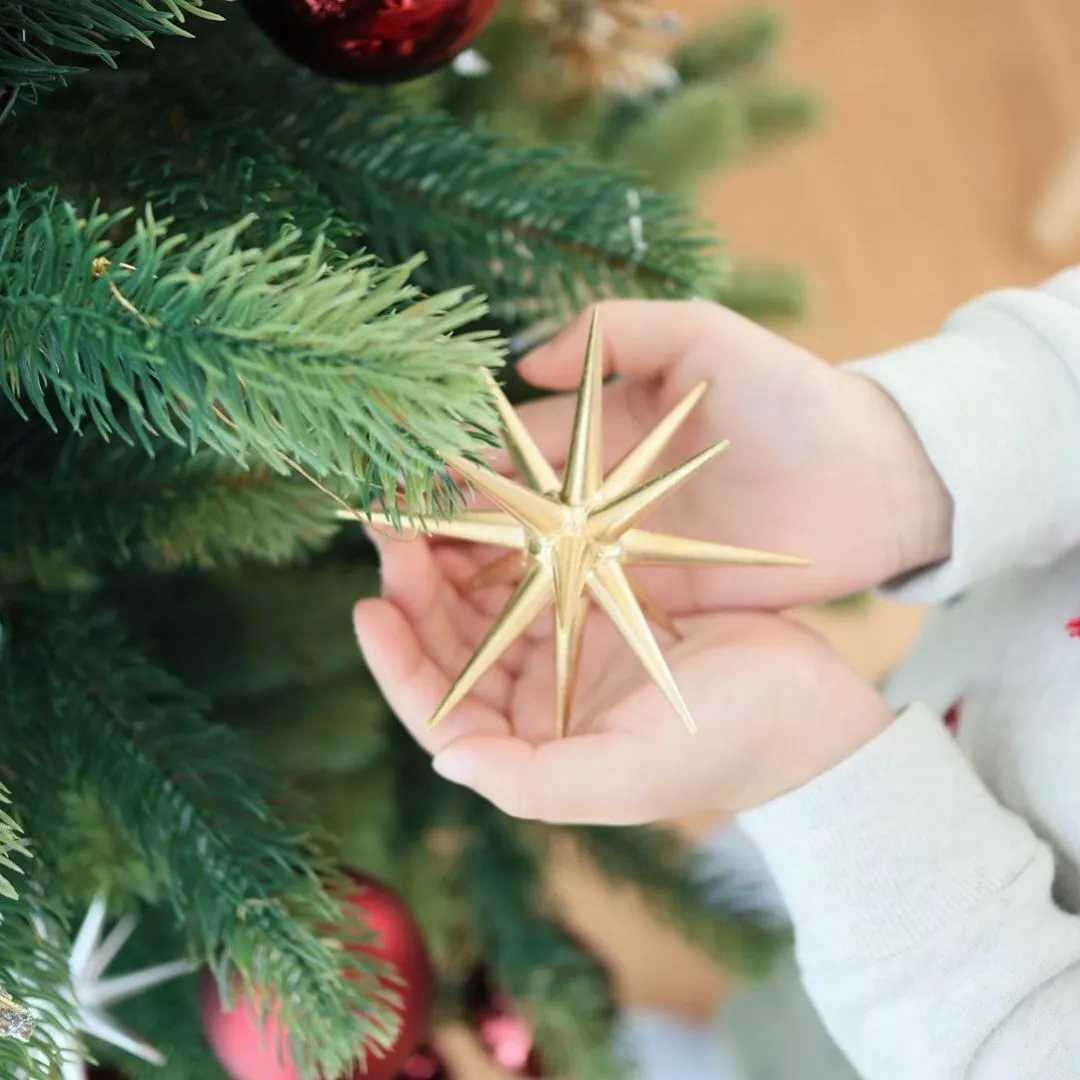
<point x="641" y="339"/>
<point x="581" y="780"/>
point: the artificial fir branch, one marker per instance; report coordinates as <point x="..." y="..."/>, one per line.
<point x="35" y="973"/>
<point x="733" y="46"/>
<point x="539" y="231"/>
<point x="39" y="41"/>
<point x="13" y="848"/>
<point x="764" y="292"/>
<point x="536" y="229"/>
<point x="264" y="355"/>
<point x="84" y="710"/>
<point x="565" y="990"/>
<point x="96" y="505"/>
<point x="710" y="907"/>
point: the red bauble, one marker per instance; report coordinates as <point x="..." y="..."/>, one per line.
<point x="504" y="1032"/>
<point x="424" y="1064"/>
<point x="249" y="1050"/>
<point x="372" y="41"/>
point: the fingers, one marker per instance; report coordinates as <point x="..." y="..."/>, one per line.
<point x="587" y="779"/>
<point x="412" y="682"/>
<point x="415" y="580"/>
<point x="643" y="339"/>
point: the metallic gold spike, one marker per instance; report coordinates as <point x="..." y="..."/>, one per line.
<point x="571" y="560"/>
<point x="504" y="570"/>
<point x="633" y="468"/>
<point x="609" y="521"/>
<point x="613" y="593"/>
<point x="568" y="641"/>
<point x="525" y="454"/>
<point x="654" y="612"/>
<point x="478" y="526"/>
<point x="643" y="548"/>
<point x="584" y="462"/>
<point x="530" y="598"/>
<point x="532" y="510"/>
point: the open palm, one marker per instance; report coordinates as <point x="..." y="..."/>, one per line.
<point x="756" y="683"/>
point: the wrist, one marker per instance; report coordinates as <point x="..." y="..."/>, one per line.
<point x="914" y="499"/>
<point x="830" y="715"/>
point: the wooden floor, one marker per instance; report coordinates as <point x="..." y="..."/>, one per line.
<point x="944" y="120"/>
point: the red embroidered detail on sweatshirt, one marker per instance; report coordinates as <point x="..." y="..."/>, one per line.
<point x="952" y="716"/>
<point x="1073" y="626"/>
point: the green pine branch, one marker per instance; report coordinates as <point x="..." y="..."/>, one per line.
<point x="280" y="356"/>
<point x="686" y="137"/>
<point x="248" y="634"/>
<point x="34" y="947"/>
<point x="703" y="903"/>
<point x="96" y="505"/>
<point x="40" y="40"/>
<point x="763" y="292"/>
<point x="564" y="990"/>
<point x="538" y="230"/>
<point x="13" y="847"/>
<point x="83" y="710"/>
<point x="730" y="47"/>
<point x="21" y="987"/>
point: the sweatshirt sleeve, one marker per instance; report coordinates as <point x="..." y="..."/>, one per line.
<point x="926" y="930"/>
<point x="995" y="400"/>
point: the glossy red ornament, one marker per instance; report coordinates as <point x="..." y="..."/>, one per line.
<point x="372" y="41"/>
<point x="504" y="1032"/>
<point x="250" y="1050"/>
<point x="424" y="1064"/>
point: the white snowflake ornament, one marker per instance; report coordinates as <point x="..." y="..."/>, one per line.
<point x="92" y="993"/>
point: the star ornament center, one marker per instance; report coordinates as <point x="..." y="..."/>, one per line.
<point x="575" y="540"/>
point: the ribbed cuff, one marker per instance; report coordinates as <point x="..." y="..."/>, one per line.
<point x="994" y="405"/>
<point x="891" y="844"/>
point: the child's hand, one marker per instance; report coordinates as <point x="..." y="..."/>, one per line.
<point x="821" y="464"/>
<point x="773" y="704"/>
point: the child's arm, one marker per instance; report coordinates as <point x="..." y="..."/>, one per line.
<point x="927" y="932"/>
<point x="995" y="400"/>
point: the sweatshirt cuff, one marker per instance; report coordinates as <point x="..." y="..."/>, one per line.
<point x="994" y="405"/>
<point x="888" y="846"/>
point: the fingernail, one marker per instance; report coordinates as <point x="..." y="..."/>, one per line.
<point x="453" y="767"/>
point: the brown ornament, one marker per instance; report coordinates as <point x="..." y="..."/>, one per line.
<point x="601" y="43"/>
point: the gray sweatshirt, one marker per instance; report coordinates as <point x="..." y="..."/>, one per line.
<point x="933" y="878"/>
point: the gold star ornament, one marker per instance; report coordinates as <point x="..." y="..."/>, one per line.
<point x="575" y="538"/>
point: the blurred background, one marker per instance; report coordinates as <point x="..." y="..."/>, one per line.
<point x="944" y="165"/>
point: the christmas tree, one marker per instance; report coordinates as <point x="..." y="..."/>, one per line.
<point x="256" y="261"/>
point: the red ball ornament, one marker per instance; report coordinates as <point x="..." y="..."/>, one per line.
<point x="504" y="1032"/>
<point x="424" y="1064"/>
<point x="372" y="41"/>
<point x="251" y="1050"/>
